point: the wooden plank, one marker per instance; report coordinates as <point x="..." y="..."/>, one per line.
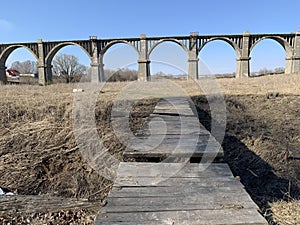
<point x="174" y="137"/>
<point x="133" y="169"/>
<point x="183" y="121"/>
<point x="165" y="182"/>
<point x="123" y="192"/>
<point x="29" y="204"/>
<point x="217" y="155"/>
<point x="179" y="112"/>
<point x="174" y="131"/>
<point x="172" y="126"/>
<point x="181" y="106"/>
<point x="169" y="143"/>
<point x="179" y="150"/>
<point x="172" y="118"/>
<point x="175" y="157"/>
<point x="188" y="202"/>
<point x="193" y="217"/>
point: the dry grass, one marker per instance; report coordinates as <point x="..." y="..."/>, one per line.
<point x="283" y="84"/>
<point x="286" y="213"/>
<point x="39" y="154"/>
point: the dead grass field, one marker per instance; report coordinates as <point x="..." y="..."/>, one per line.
<point x="39" y="154"/>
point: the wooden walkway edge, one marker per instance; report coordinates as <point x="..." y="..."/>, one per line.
<point x="174" y="190"/>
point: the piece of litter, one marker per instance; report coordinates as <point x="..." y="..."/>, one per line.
<point x="78" y="90"/>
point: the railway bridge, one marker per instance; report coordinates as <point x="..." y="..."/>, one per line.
<point x="44" y="52"/>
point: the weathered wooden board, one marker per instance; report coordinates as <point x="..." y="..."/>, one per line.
<point x="173" y="137"/>
<point x="184" y="217"/>
<point x="141" y="192"/>
<point x="29" y="204"/>
<point x="196" y="202"/>
<point x="184" y="149"/>
<point x="166" y="127"/>
<point x="167" y="169"/>
<point x="166" y="142"/>
<point x="179" y="112"/>
<point x="165" y="182"/>
<point x="196" y="194"/>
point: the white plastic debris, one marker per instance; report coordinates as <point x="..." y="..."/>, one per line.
<point x="9" y="193"/>
<point x="78" y="90"/>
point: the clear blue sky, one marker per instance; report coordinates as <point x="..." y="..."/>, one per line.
<point x="27" y="21"/>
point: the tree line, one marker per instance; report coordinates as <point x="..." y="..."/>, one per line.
<point x="67" y="69"/>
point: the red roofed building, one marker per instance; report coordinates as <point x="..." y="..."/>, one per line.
<point x="12" y="73"/>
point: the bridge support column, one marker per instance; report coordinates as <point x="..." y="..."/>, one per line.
<point x="243" y="67"/>
<point x="295" y="59"/>
<point x="193" y="69"/>
<point x="143" y="61"/>
<point x="193" y="58"/>
<point x="97" y="66"/>
<point x="44" y="70"/>
<point x="243" y="61"/>
<point x="3" y="78"/>
<point x="289" y="65"/>
<point x="97" y="72"/>
<point x="144" y="70"/>
<point x="45" y="74"/>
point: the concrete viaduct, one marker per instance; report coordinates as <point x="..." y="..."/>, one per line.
<point x="95" y="48"/>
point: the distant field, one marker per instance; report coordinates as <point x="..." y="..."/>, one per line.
<point x="39" y="154"/>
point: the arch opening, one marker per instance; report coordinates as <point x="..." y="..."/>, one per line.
<point x="120" y="62"/>
<point x="168" y="60"/>
<point x="21" y="65"/>
<point x="69" y="63"/>
<point x="267" y="58"/>
<point x="217" y="58"/>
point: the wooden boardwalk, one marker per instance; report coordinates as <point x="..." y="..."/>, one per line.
<point x="172" y="190"/>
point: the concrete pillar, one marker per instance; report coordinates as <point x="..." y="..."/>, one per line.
<point x="97" y="66"/>
<point x="143" y="61"/>
<point x="193" y="58"/>
<point x="3" y="78"/>
<point x="243" y="61"/>
<point x="97" y="71"/>
<point x="44" y="70"/>
<point x="288" y="64"/>
<point x="296" y="57"/>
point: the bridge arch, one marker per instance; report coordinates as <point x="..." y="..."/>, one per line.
<point x="267" y="55"/>
<point x="168" y="40"/>
<point x="217" y="57"/>
<point x="111" y="43"/>
<point x="236" y="48"/>
<point x="7" y="52"/>
<point x="58" y="47"/>
<point x="286" y="46"/>
<point x="119" y="61"/>
<point x="168" y="57"/>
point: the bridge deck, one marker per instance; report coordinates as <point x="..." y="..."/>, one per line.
<point x="176" y="191"/>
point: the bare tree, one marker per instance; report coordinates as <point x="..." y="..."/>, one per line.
<point x="279" y="70"/>
<point x="120" y="75"/>
<point x="68" y="68"/>
<point x="25" y="67"/>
